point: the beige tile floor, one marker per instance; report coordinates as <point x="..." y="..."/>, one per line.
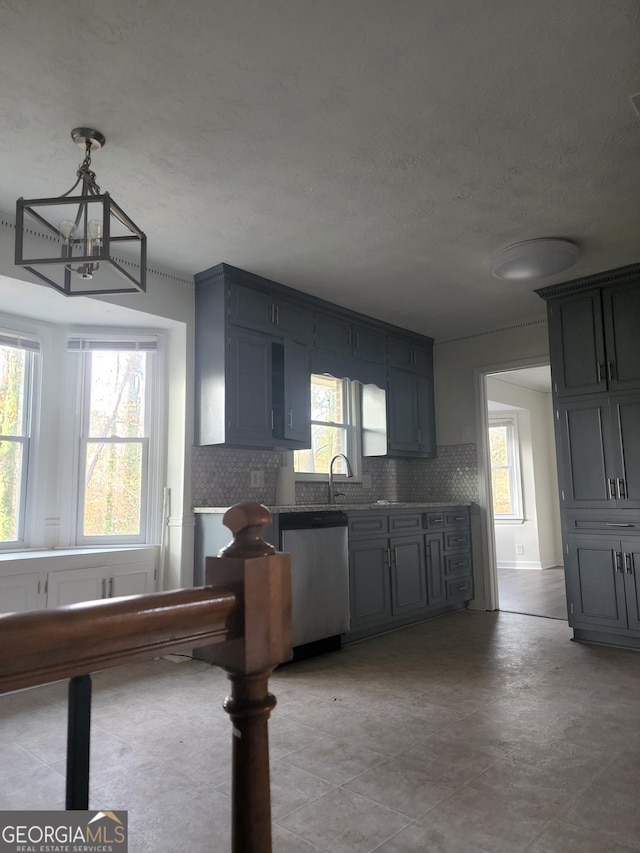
<point x="474" y="732"/>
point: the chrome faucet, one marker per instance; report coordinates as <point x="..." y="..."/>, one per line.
<point x="332" y="492"/>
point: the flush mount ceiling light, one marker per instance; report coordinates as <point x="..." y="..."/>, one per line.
<point x="83" y="244"/>
<point x="534" y="259"/>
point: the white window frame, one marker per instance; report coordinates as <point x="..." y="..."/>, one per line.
<point x="352" y="401"/>
<point x="80" y="347"/>
<point x="510" y="421"/>
<point x="31" y="345"/>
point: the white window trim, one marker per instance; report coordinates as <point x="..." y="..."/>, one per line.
<point x="153" y="456"/>
<point x="354" y="441"/>
<point x="31" y="343"/>
<point x="510" y="419"/>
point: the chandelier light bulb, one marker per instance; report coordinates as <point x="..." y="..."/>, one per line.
<point x="94" y="234"/>
<point x="67" y="229"/>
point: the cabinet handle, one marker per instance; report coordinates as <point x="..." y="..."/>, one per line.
<point x="419" y="436"/>
<point x="459" y="518"/>
<point x="104" y="588"/>
<point x="619" y="561"/>
<point x="436" y="521"/>
<point x="110" y="588"/>
<point x="460" y="588"/>
<point x="618" y="524"/>
<point x="388" y="558"/>
<point x="621" y="489"/>
<point x="395" y="557"/>
<point x="277" y="315"/>
<point x="273" y="314"/>
<point x="290" y="418"/>
<point x="600" y="371"/>
<point x="611" y="487"/>
<point x="628" y="558"/>
<point x="611" y="370"/>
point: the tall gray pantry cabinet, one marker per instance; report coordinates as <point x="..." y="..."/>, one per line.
<point x="594" y="338"/>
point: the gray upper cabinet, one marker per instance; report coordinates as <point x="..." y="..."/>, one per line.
<point x="252" y="387"/>
<point x="407" y="354"/>
<point x="255" y="309"/>
<point x="621" y="310"/>
<point x="338" y="335"/>
<point x="332" y="334"/>
<point x="297" y="392"/>
<point x="411" y="415"/>
<point x="257" y="343"/>
<point x="249" y="395"/>
<point x="600" y="451"/>
<point x="369" y="343"/>
<point x="594" y="346"/>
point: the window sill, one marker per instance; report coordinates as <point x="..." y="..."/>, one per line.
<point x="507" y="521"/>
<point x="45" y="553"/>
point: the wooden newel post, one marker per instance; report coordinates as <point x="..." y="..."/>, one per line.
<point x="262" y="580"/>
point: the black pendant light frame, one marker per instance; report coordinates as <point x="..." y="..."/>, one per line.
<point x="95" y="227"/>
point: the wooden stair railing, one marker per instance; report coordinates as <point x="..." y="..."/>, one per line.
<point x="243" y="619"/>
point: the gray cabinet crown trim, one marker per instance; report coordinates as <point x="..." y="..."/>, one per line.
<point x="590" y="282"/>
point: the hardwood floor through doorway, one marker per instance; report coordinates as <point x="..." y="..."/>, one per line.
<point x="536" y="592"/>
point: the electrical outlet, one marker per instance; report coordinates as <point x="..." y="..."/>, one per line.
<point x="257" y="479"/>
<point x="519" y="549"/>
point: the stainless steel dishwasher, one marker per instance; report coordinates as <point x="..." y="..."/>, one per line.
<point x="317" y="543"/>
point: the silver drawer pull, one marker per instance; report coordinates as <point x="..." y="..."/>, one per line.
<point x="618" y="524"/>
<point x="436" y="521"/>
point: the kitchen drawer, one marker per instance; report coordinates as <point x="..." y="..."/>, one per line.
<point x="615" y="521"/>
<point x="459" y="518"/>
<point x="460" y="589"/>
<point x="457" y="564"/>
<point x="457" y="540"/>
<point x="434" y="520"/>
<point x="365" y="525"/>
<point x="405" y="523"/>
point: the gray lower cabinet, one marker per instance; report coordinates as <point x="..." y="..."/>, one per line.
<point x="408" y="574"/>
<point x="603" y="591"/>
<point x="405" y="566"/>
<point x="369" y="587"/>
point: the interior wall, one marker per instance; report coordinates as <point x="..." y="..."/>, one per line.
<point x="454" y="364"/>
<point x="539" y="534"/>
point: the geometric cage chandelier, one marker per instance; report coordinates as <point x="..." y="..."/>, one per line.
<point x="84" y="244"/>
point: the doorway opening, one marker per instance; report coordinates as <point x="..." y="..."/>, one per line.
<point x="519" y="488"/>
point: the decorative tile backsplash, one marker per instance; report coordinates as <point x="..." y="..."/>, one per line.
<point x="222" y="477"/>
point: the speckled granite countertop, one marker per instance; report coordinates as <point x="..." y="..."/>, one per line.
<point x="346" y="506"/>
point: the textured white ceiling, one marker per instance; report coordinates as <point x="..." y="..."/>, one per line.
<point x="373" y="152"/>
